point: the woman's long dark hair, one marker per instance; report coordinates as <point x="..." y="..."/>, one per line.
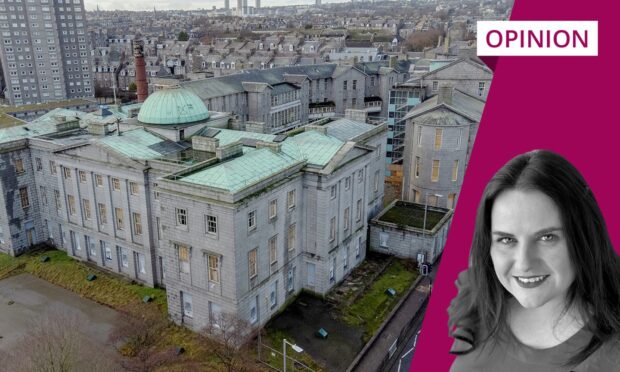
<point x="596" y="289"/>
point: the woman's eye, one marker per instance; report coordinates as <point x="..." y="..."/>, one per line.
<point x="548" y="238"/>
<point x="505" y="240"/>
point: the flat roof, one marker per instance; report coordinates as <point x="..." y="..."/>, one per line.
<point x="412" y="215"/>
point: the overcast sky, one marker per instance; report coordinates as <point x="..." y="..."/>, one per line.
<point x="186" y="4"/>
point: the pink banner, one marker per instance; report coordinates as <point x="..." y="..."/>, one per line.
<point x="565" y="104"/>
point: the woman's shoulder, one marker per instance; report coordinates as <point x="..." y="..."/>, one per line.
<point x="462" y="322"/>
<point x="606" y="358"/>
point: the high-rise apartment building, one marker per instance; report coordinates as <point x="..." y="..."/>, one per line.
<point x="44" y="52"/>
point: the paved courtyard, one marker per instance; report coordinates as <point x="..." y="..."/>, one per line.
<point x="25" y="298"/>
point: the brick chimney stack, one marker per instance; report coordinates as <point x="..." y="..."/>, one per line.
<point x="141" y="83"/>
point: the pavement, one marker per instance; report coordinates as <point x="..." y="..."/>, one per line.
<point x="376" y="354"/>
<point x="25" y="298"/>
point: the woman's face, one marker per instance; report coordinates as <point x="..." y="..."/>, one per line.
<point x="529" y="248"/>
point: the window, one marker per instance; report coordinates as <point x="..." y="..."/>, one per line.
<point x="290" y="279"/>
<point x="332" y="229"/>
<point x="107" y="251"/>
<point x="358" y="245"/>
<point x="23" y="197"/>
<point x="82" y="176"/>
<point x="103" y="218"/>
<point x="344" y="85"/>
<point x="214" y="268"/>
<point x="71" y="203"/>
<point x="252" y="220"/>
<point x="210" y="224"/>
<point x="252" y="266"/>
<point x="292" y="237"/>
<point x="116" y="184"/>
<point x="133" y="188"/>
<point x="181" y="217"/>
<point x="43" y="193"/>
<point x="273" y="208"/>
<point x="438" y="138"/>
<point x="186" y="301"/>
<point x="346" y="218"/>
<point x="432" y="200"/>
<point x="332" y="192"/>
<point x="90" y="246"/>
<point x="435" y="85"/>
<point x="86" y="207"/>
<point x="141" y="263"/>
<point x="358" y="211"/>
<point x="118" y="212"/>
<point x="67" y="173"/>
<point x="184" y="255"/>
<point x="435" y="174"/>
<point x="451" y="199"/>
<point x="418" y="166"/>
<point x="347" y="183"/>
<point x="290" y="199"/>
<point x="332" y="269"/>
<point x="137" y="223"/>
<point x="273" y="249"/>
<point x="39" y="164"/>
<point x="360" y="175"/>
<point x="455" y="170"/>
<point x="345" y="258"/>
<point x="354" y="85"/>
<point x="481" y="88"/>
<point x="458" y="139"/>
<point x="376" y="181"/>
<point x="19" y="166"/>
<point x="273" y="294"/>
<point x="124" y="257"/>
<point x="215" y="314"/>
<point x="57" y="199"/>
<point x="254" y="310"/>
<point x="98" y="180"/>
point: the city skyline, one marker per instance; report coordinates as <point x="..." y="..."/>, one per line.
<point x="142" y="5"/>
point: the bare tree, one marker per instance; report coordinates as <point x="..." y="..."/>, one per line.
<point x="423" y="39"/>
<point x="136" y="335"/>
<point x="55" y="344"/>
<point x="228" y="337"/>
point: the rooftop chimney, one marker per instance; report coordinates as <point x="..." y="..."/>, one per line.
<point x="141" y="83"/>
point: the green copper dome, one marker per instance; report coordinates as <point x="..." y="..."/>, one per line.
<point x="172" y="105"/>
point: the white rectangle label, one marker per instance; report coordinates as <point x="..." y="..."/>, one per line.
<point x="537" y="38"/>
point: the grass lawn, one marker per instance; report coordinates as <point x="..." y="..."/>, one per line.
<point x="412" y="215"/>
<point x="370" y="310"/>
<point x="115" y="292"/>
<point x="274" y="339"/>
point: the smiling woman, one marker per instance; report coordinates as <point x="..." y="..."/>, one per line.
<point x="543" y="289"/>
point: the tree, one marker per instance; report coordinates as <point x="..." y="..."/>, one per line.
<point x="136" y="335"/>
<point x="228" y="337"/>
<point x="418" y="41"/>
<point x="183" y="36"/>
<point x="133" y="87"/>
<point x="54" y="344"/>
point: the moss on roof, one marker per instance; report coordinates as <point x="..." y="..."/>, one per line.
<point x="412" y="215"/>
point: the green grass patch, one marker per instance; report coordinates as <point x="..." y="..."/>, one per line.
<point x="371" y="309"/>
<point x="274" y="340"/>
<point x="410" y="214"/>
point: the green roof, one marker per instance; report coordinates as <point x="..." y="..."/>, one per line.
<point x="316" y="148"/>
<point x="243" y="171"/>
<point x="346" y="129"/>
<point x="172" y="106"/>
<point x="227" y="136"/>
<point x="141" y="144"/>
<point x="46" y="124"/>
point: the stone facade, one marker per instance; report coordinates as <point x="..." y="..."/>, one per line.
<point x="135" y="215"/>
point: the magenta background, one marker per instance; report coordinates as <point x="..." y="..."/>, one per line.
<point x="570" y="105"/>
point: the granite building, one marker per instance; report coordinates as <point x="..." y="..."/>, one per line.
<point x="228" y="221"/>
